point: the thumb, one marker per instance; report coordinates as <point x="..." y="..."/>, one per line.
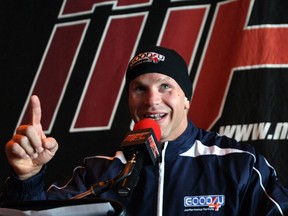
<point x="35" y="113"/>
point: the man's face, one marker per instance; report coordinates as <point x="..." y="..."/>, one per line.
<point x="157" y="96"/>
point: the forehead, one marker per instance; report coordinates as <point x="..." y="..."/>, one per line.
<point x="152" y="77"/>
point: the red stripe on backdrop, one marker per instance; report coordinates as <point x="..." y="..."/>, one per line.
<point x="100" y="99"/>
<point x="79" y="6"/>
<point x="183" y="30"/>
<point x="54" y="72"/>
<point x="250" y="47"/>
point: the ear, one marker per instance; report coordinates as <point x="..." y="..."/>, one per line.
<point x="186" y="104"/>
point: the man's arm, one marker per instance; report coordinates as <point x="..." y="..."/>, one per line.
<point x="29" y="149"/>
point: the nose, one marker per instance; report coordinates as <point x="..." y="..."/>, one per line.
<point x="153" y="97"/>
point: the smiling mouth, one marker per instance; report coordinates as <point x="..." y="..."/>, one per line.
<point x="155" y="117"/>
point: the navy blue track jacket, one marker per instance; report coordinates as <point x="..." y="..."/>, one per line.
<point x="201" y="173"/>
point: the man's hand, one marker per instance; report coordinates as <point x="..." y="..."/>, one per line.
<point x="29" y="149"/>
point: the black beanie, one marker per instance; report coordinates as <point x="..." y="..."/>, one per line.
<point x="160" y="60"/>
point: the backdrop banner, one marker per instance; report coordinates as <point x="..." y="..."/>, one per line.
<point x="73" y="55"/>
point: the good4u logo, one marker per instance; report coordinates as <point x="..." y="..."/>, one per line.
<point x="92" y="42"/>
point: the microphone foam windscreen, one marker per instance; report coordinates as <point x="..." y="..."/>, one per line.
<point x="149" y="123"/>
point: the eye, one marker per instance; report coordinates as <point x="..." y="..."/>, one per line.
<point x="138" y="89"/>
<point x="165" y="86"/>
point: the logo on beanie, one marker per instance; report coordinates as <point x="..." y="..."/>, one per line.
<point x="146" y="57"/>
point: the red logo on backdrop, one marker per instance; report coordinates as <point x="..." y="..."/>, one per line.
<point x="182" y="29"/>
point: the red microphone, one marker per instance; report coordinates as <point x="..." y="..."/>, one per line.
<point x="145" y="137"/>
<point x="140" y="147"/>
<point x="149" y="123"/>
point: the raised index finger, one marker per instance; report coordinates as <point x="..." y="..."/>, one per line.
<point x="35" y="109"/>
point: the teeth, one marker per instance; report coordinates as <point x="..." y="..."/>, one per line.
<point x="155" y="116"/>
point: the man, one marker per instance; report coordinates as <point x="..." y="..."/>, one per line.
<point x="201" y="173"/>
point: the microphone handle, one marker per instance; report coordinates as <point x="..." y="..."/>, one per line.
<point x="131" y="174"/>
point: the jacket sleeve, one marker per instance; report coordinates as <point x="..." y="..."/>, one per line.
<point x="95" y="169"/>
<point x="264" y="194"/>
<point x="30" y="189"/>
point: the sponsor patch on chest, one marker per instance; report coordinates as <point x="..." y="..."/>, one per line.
<point x="204" y="202"/>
